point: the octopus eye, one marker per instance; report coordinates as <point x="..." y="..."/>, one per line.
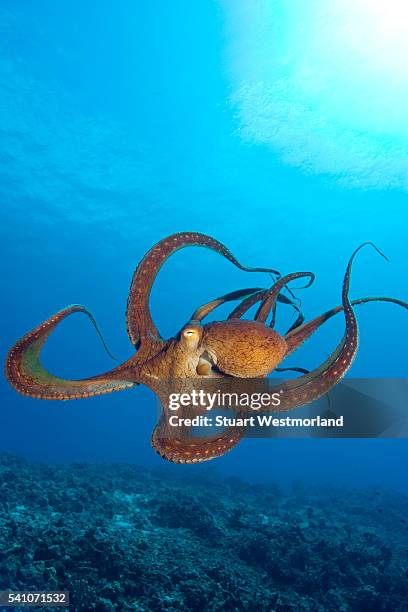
<point x="191" y="335"/>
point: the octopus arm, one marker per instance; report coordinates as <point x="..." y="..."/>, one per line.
<point x="269" y="301"/>
<point x="187" y="449"/>
<point x="206" y="309"/>
<point x="249" y="297"/>
<point x="139" y="321"/>
<point x="296" y="337"/>
<point x="318" y="382"/>
<point x="28" y="376"/>
<point x="242" y="308"/>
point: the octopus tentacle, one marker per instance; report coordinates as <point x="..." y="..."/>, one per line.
<point x="139" y="321"/>
<point x="188" y="449"/>
<point x="205" y="309"/>
<point x="26" y="374"/>
<point x="298" y="333"/>
<point x="255" y="295"/>
<point x="293" y="369"/>
<point x="243" y="307"/>
<point x="268" y="303"/>
<point x="301" y="371"/>
<point x="295" y="337"/>
<point x="298" y="321"/>
<point x="308" y="388"/>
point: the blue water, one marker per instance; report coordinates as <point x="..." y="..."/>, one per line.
<point x="121" y="124"/>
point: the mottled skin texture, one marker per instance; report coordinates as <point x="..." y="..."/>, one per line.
<point x="246" y="349"/>
<point x="225" y="350"/>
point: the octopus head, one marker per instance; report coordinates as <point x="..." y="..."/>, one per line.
<point x="245" y="349"/>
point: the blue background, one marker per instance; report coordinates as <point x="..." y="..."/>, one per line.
<point x="124" y="122"/>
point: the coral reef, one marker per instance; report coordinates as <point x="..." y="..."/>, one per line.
<point x="121" y="537"/>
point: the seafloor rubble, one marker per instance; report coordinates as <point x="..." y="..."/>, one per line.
<point x="119" y="537"/>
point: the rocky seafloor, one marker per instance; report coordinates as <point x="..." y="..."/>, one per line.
<point x="121" y="537"/>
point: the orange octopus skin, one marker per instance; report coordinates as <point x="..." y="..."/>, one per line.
<point x="229" y="349"/>
<point x="245" y="349"/>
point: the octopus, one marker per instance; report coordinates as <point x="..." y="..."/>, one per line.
<point x="219" y="352"/>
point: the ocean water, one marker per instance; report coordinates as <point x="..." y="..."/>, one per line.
<point x="264" y="124"/>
